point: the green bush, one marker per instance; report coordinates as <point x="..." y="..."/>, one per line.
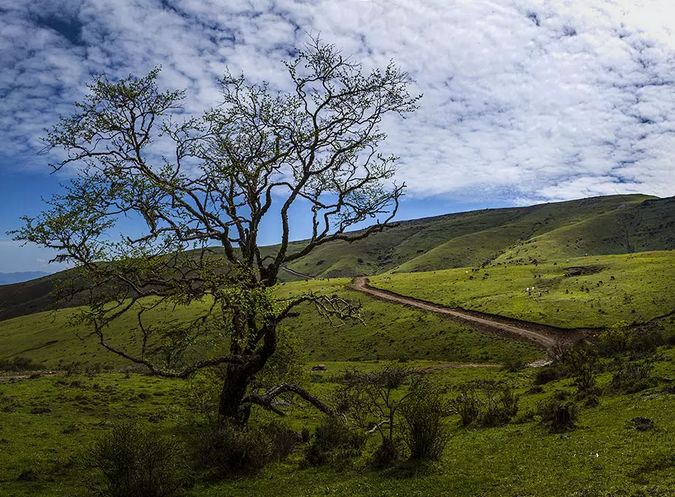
<point x="20" y="364"/>
<point x="548" y="374"/>
<point x="486" y="404"/>
<point x="226" y="451"/>
<point x="387" y="453"/>
<point x="283" y="439"/>
<point x="637" y="342"/>
<point x="559" y="413"/>
<point x="334" y="442"/>
<point x="467" y="405"/>
<point x="631" y="377"/>
<point x="136" y="462"/>
<point x="424" y="432"/>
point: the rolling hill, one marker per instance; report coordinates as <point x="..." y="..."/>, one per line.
<point x="520" y="235"/>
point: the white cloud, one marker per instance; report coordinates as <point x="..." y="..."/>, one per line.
<point x="529" y="100"/>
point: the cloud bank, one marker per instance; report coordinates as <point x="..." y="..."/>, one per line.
<point x="524" y="101"/>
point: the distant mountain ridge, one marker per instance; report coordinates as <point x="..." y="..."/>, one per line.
<point x="518" y="235"/>
<point x="18" y="277"/>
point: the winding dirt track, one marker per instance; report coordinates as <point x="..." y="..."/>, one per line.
<point x="544" y="336"/>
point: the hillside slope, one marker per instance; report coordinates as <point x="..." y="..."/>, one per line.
<point x="546" y="232"/>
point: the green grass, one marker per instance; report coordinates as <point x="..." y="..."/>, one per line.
<point x="388" y="331"/>
<point x="628" y="287"/>
<point x="601" y="457"/>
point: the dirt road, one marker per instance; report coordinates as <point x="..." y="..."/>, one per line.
<point x="544" y="336"/>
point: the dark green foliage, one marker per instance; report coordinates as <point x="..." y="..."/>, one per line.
<point x="631" y="377"/>
<point x="387" y="453"/>
<point x="334" y="442"/>
<point x="20" y="364"/>
<point x="486" y="404"/>
<point x="467" y="405"/>
<point x="587" y="388"/>
<point x="225" y="450"/>
<point x="136" y="462"/>
<point x="638" y="342"/>
<point x="424" y="432"/>
<point x="514" y="364"/>
<point x="547" y="374"/>
<point x="559" y="413"/>
<point x="282" y="439"/>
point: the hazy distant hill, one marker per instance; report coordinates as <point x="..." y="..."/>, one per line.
<point x="593" y="226"/>
<point x="8" y="278"/>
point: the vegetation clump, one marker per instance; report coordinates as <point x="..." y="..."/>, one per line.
<point x="20" y="364"/>
<point x="424" y="431"/>
<point x="559" y="413"/>
<point x="136" y="462"/>
<point x="334" y="442"/>
<point x="632" y="377"/>
<point x="486" y="403"/>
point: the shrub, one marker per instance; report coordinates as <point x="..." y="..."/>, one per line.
<point x="637" y="342"/>
<point x="587" y="388"/>
<point x="500" y="405"/>
<point x="334" y="442"/>
<point x="424" y="432"/>
<point x="371" y="401"/>
<point x="282" y="438"/>
<point x="386" y="453"/>
<point x="559" y="413"/>
<point x="632" y="377"/>
<point x="136" y="462"/>
<point x="514" y="364"/>
<point x="548" y="374"/>
<point x="20" y="364"/>
<point x="645" y="342"/>
<point x="467" y="405"/>
<point x="228" y="451"/>
<point x="486" y="403"/>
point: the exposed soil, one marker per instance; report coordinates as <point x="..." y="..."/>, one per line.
<point x="544" y="336"/>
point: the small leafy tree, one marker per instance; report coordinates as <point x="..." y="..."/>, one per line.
<point x="372" y="400"/>
<point x="199" y="189"/>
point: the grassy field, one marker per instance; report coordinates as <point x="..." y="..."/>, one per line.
<point x="388" y="331"/>
<point x="48" y="423"/>
<point x="631" y="288"/>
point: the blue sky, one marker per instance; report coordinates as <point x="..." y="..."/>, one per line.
<point x="525" y="101"/>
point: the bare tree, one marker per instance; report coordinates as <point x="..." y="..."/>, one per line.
<point x="197" y="191"/>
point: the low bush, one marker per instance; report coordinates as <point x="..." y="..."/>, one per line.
<point x="631" y="377"/>
<point x="514" y="364"/>
<point x="387" y="453"/>
<point x="467" y="405"/>
<point x="636" y="342"/>
<point x="20" y="364"/>
<point x="559" y="413"/>
<point x="226" y="451"/>
<point x="334" y="442"/>
<point x="501" y="404"/>
<point x="486" y="404"/>
<point x="424" y="432"/>
<point x="547" y="374"/>
<point x="136" y="462"/>
<point x="283" y="439"/>
<point x="587" y="388"/>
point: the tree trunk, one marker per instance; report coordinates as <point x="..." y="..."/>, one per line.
<point x="230" y="408"/>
